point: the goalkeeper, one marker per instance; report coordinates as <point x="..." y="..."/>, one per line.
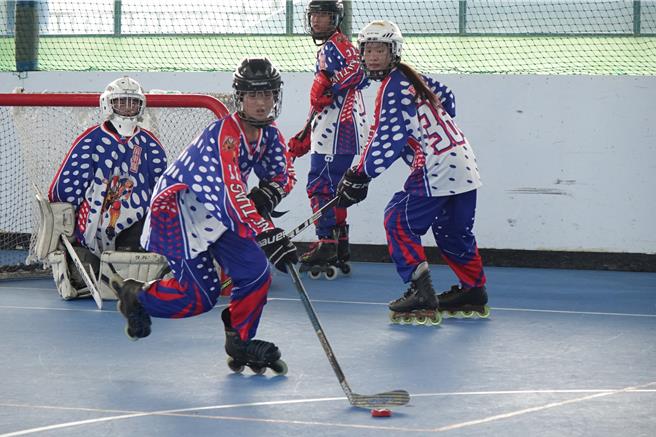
<point x="108" y="177"/>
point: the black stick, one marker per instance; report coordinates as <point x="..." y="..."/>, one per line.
<point x="394" y="398"/>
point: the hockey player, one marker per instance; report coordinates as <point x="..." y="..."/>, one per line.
<point x="337" y="130"/>
<point x="413" y="120"/>
<point x="201" y="213"/>
<point x="108" y="177"/>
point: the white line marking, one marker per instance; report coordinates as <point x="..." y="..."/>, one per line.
<point x="596" y="393"/>
<point x="347" y="302"/>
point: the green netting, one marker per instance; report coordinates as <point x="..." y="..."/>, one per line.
<point x="442" y="36"/>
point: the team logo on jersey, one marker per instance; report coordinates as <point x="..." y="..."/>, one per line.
<point x="229" y="144"/>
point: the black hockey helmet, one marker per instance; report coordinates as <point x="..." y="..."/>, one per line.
<point x="257" y="75"/>
<point x="333" y="7"/>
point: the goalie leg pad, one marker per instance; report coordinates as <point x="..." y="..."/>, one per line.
<point x="66" y="290"/>
<point x="141" y="266"/>
<point x="56" y="219"/>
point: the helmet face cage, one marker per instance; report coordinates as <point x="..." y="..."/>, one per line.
<point x="260" y="77"/>
<point x="333" y="7"/>
<point x="119" y="96"/>
<point x="381" y="32"/>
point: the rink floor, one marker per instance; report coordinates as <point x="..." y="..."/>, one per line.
<point x="563" y="353"/>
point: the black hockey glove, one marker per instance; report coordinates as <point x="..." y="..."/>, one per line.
<point x="278" y="248"/>
<point x="352" y="188"/>
<point x="266" y="197"/>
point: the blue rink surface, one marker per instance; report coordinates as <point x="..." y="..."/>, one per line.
<point x="564" y="353"/>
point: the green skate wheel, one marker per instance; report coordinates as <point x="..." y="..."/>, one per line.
<point x="421" y="320"/>
<point x="279" y="367"/>
<point x="486" y="312"/>
<point x="468" y="314"/>
<point x="234" y="366"/>
<point x="436" y="319"/>
<point x="407" y="320"/>
<point x="394" y="318"/>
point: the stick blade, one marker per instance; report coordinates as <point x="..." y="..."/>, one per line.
<point x="395" y="398"/>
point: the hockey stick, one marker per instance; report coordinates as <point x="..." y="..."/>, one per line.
<point x="395" y="398"/>
<point x="91" y="285"/>
<point x="82" y="271"/>
<point x="303" y="226"/>
<point x="308" y="125"/>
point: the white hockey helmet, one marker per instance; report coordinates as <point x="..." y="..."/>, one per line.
<point x="381" y="31"/>
<point x="121" y="93"/>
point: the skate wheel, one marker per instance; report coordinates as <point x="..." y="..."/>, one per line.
<point x="234" y="365"/>
<point x="257" y="369"/>
<point x="394" y="318"/>
<point x="331" y="273"/>
<point x="314" y="274"/>
<point x="467" y="314"/>
<point x="279" y="367"/>
<point x="346" y="269"/>
<point x="486" y="312"/>
<point x="422" y="320"/>
<point x="130" y="336"/>
<point x="436" y="319"/>
<point x="407" y="320"/>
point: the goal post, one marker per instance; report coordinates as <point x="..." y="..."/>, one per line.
<point x="36" y="132"/>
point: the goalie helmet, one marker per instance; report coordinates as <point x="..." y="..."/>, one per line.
<point x="257" y="75"/>
<point x="123" y="103"/>
<point x="333" y="7"/>
<point x="381" y="31"/>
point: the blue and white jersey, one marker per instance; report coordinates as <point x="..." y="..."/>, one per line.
<point x="441" y="160"/>
<point x="340" y="128"/>
<point x="204" y="193"/>
<point x="109" y="180"/>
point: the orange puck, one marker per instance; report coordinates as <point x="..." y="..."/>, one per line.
<point x="383" y="412"/>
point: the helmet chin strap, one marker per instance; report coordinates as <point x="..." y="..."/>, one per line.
<point x="124" y="125"/>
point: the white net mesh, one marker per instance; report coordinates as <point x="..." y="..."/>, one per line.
<point x="35" y="139"/>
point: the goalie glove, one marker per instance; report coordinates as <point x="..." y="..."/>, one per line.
<point x="352" y="188"/>
<point x="278" y="248"/>
<point x="266" y="197"/>
<point x="321" y="91"/>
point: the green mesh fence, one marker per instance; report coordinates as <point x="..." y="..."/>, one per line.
<point x="442" y="36"/>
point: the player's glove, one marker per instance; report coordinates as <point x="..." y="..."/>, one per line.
<point x="321" y="93"/>
<point x="266" y="197"/>
<point x="352" y="188"/>
<point x="298" y="148"/>
<point x="278" y="248"/>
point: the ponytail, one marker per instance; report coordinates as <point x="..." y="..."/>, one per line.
<point x="423" y="91"/>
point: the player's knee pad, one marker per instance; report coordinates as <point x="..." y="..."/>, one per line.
<point x="141" y="266"/>
<point x="56" y="219"/>
<point x="60" y="274"/>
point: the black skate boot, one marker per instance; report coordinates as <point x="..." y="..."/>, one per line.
<point x="464" y="302"/>
<point x="129" y="306"/>
<point x="418" y="305"/>
<point x="320" y="259"/>
<point x="256" y="354"/>
<point x="343" y="249"/>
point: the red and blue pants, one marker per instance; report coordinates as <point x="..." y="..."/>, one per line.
<point x="325" y="173"/>
<point x="451" y="219"/>
<point x="196" y="285"/>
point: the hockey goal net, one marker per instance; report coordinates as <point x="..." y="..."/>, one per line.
<point x="36" y="132"/>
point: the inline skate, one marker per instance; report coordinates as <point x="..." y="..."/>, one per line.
<point x="321" y="259"/>
<point x="128" y="305"/>
<point x="256" y="354"/>
<point x="343" y="249"/>
<point x="464" y="302"/>
<point x="418" y="305"/>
